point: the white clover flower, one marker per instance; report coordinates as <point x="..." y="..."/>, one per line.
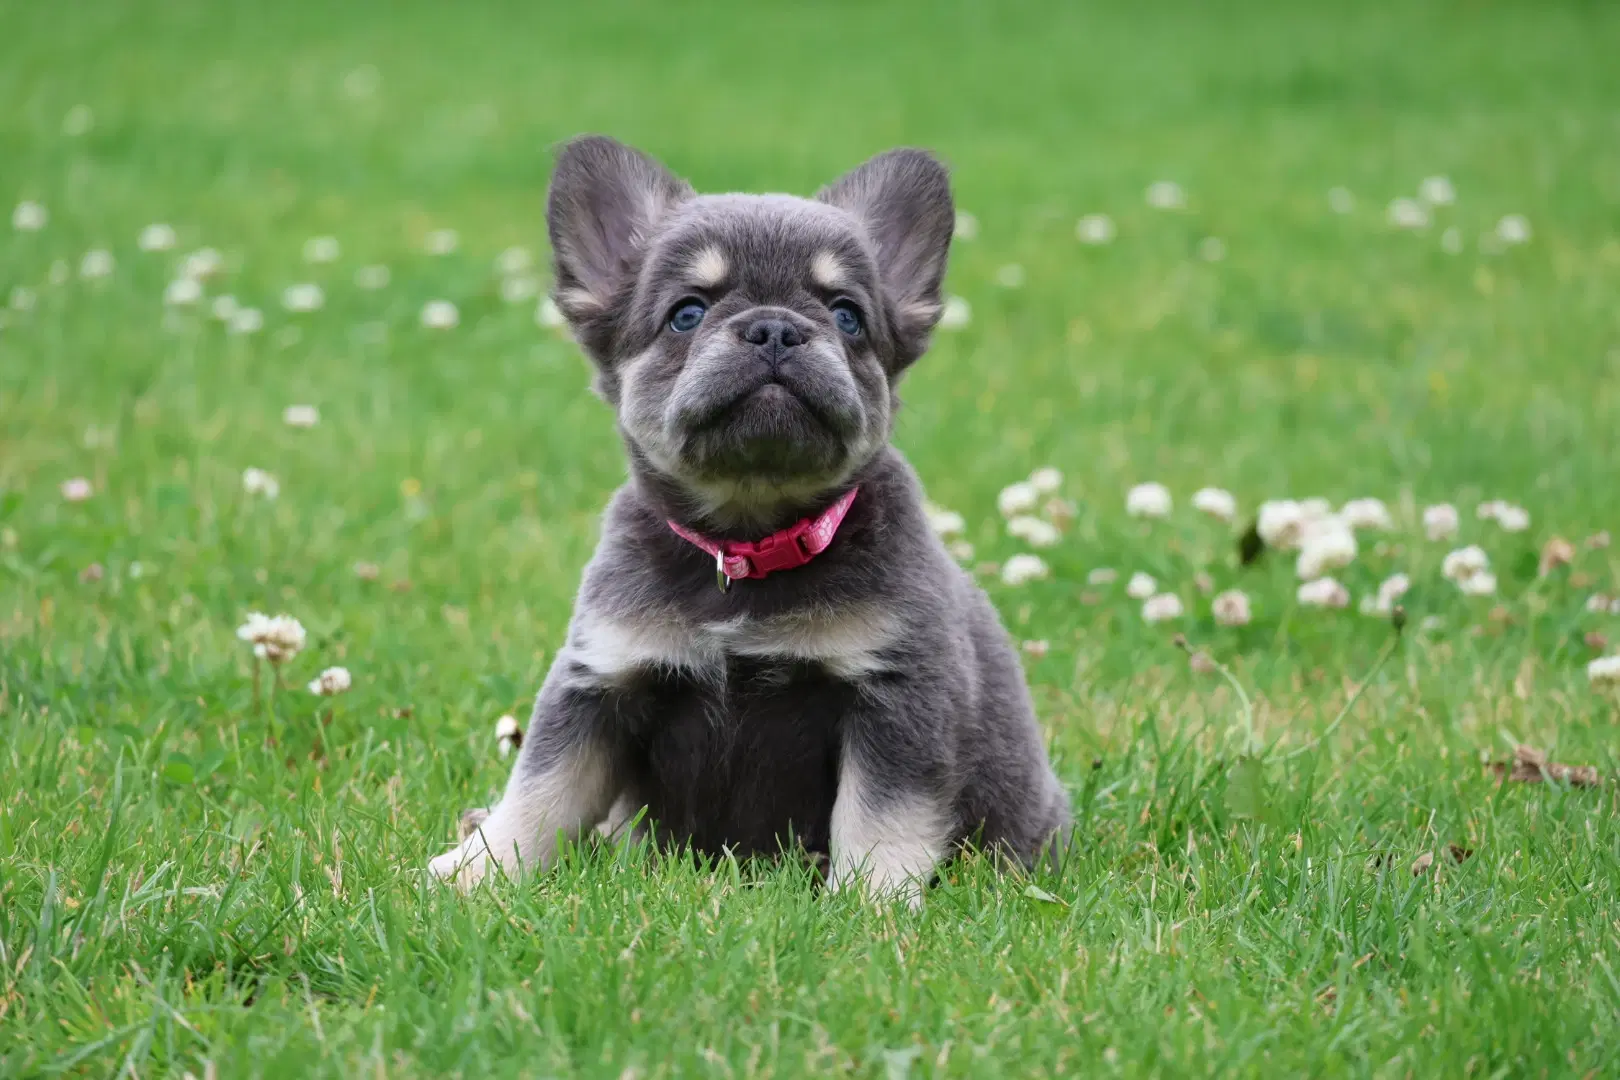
<point x="78" y="121"/>
<point x="301" y="416"/>
<point x="1437" y="191"/>
<point x="1604" y="671"/>
<point x="943" y="522"/>
<point x="1019" y="498"/>
<point x="1037" y="648"/>
<point x="1022" y="568"/>
<point x="514" y="260"/>
<point x="157" y="237"/>
<point x="1281" y="524"/>
<point x="373" y="277"/>
<point x="1327" y="545"/>
<point x="1033" y="531"/>
<point x="331" y="682"/>
<point x="441" y="242"/>
<point x="508" y="736"/>
<point x="1464" y="563"/>
<point x="1104" y="575"/>
<point x="182" y="292"/>
<point x="1010" y="276"/>
<point x="22" y="298"/>
<point x="1160" y="608"/>
<point x="29" y="216"/>
<point x="202" y="263"/>
<point x="1366" y="514"/>
<point x="1440" y="521"/>
<point x="1451" y="241"/>
<point x="549" y="315"/>
<point x="1390" y="590"/>
<point x="1323" y="592"/>
<point x="1513" y="229"/>
<point x="321" y="249"/>
<point x="1046" y="480"/>
<point x="1095" y="229"/>
<point x="440" y="315"/>
<point x="77" y="489"/>
<point x="1513" y="518"/>
<point x="515" y="290"/>
<point x="966" y="227"/>
<point x="1340" y="200"/>
<point x="1482" y="583"/>
<point x="1151" y="500"/>
<point x="1216" y="502"/>
<point x="277" y="639"/>
<point x="1231" y="608"/>
<point x="303" y="297"/>
<point x="97" y="263"/>
<point x="1141" y="586"/>
<point x="1404" y="213"/>
<point x="1166" y="195"/>
<point x="247" y="321"/>
<point x="956" y="313"/>
<point x="224" y="308"/>
<point x="258" y="482"/>
<point x="960" y="550"/>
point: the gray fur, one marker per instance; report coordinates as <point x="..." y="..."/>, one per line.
<point x="868" y="705"/>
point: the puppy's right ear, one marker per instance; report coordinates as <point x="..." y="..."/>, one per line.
<point x="605" y="200"/>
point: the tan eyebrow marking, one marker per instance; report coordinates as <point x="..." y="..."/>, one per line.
<point x="827" y="270"/>
<point x="709" y="267"/>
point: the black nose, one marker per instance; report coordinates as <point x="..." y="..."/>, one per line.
<point x="776" y="334"/>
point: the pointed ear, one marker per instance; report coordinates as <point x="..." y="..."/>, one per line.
<point x="903" y="197"/>
<point x="605" y="199"/>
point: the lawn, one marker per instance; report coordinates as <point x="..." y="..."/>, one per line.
<point x="1327" y="881"/>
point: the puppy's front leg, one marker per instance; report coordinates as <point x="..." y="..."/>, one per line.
<point x="564" y="781"/>
<point x="892" y="821"/>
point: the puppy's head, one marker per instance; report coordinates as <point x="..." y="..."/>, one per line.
<point x="750" y="343"/>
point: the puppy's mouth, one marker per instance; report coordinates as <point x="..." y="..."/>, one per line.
<point x="767" y="425"/>
<point x="766" y="405"/>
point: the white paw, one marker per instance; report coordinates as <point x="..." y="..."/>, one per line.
<point x="879" y="888"/>
<point x="464" y="865"/>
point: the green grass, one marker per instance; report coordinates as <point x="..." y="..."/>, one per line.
<point x="188" y="879"/>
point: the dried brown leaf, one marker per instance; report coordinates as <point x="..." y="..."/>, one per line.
<point x="1530" y="766"/>
<point x="1555" y="553"/>
<point x="1421" y="864"/>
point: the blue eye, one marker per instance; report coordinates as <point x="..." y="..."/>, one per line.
<point x="687" y="316"/>
<point x="847" y="318"/>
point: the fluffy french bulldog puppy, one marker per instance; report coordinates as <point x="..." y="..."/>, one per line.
<point x="770" y="646"/>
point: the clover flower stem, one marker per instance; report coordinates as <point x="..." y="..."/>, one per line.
<point x="255" y="684"/>
<point x="1246" y="707"/>
<point x="1378" y="665"/>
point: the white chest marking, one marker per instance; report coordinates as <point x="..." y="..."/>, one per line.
<point x="849" y="643"/>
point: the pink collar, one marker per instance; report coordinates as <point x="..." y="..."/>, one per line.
<point x="786" y="550"/>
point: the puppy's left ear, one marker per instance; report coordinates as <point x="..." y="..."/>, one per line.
<point x="605" y="199"/>
<point x="903" y="197"/>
